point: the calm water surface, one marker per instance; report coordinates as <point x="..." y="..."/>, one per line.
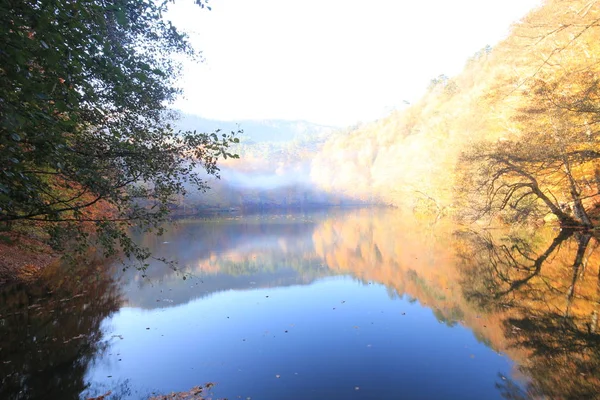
<point x="361" y="304"/>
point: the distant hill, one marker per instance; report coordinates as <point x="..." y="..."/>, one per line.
<point x="543" y="80"/>
<point x="256" y="130"/>
<point x="272" y="171"/>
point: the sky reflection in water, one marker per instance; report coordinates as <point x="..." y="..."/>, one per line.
<point x="275" y="308"/>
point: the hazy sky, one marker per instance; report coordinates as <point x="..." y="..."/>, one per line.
<point x="333" y="62"/>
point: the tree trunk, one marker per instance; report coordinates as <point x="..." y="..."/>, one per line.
<point x="582" y="243"/>
<point x="597" y="175"/>
<point x="564" y="218"/>
<point x="578" y="209"/>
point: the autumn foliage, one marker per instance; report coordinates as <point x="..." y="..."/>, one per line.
<point x="533" y="97"/>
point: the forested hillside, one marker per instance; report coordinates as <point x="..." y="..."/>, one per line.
<point x="273" y="169"/>
<point x="515" y="133"/>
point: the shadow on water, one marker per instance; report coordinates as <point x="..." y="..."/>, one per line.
<point x="546" y="291"/>
<point x="50" y="331"/>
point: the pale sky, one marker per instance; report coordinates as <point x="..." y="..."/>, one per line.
<point x="333" y="62"/>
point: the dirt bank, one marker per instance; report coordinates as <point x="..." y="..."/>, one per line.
<point x="22" y="258"/>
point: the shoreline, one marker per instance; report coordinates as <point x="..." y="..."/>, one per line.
<point x="23" y="258"/>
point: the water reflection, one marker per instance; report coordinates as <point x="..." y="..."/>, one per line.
<point x="235" y="253"/>
<point x="546" y="293"/>
<point x="50" y="331"/>
<point x="406" y="254"/>
<point x="317" y="305"/>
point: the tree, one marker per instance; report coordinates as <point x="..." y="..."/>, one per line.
<point x="547" y="158"/>
<point x="552" y="159"/>
<point x="85" y="141"/>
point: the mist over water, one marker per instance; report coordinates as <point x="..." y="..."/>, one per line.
<point x="280" y="177"/>
<point x="276" y="169"/>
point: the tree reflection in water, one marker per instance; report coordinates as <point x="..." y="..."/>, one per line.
<point x="535" y="297"/>
<point x="548" y="292"/>
<point x="50" y="331"/>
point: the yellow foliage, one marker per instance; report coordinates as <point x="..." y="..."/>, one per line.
<point x="414" y="153"/>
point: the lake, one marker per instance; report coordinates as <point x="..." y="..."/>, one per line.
<point x="338" y="304"/>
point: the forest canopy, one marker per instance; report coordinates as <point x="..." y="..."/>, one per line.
<point x="86" y="147"/>
<point x="514" y="136"/>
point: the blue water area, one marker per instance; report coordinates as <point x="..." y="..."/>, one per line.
<point x="352" y="304"/>
<point x="337" y="338"/>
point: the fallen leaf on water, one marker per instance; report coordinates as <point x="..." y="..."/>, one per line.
<point x="74" y="338"/>
<point x="193" y="393"/>
<point x="101" y="397"/>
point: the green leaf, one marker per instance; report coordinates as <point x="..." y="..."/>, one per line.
<point x="121" y="17"/>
